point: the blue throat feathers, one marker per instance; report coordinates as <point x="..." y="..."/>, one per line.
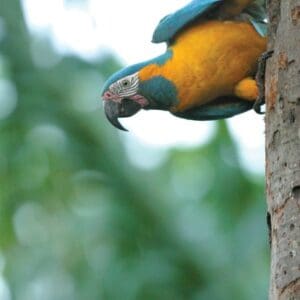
<point x="161" y="92"/>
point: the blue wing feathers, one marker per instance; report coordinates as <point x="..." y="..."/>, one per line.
<point x="216" y="111"/>
<point x="257" y="16"/>
<point x="172" y="23"/>
<point x="261" y="27"/>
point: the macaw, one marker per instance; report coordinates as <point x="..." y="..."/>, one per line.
<point x="208" y="69"/>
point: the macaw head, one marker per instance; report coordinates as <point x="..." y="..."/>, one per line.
<point x="141" y="86"/>
<point x="122" y="96"/>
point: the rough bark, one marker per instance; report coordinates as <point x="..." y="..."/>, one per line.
<point x="283" y="147"/>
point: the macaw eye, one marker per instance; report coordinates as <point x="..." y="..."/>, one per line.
<point x="125" y="83"/>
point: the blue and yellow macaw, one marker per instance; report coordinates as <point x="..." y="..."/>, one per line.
<point x="208" y="69"/>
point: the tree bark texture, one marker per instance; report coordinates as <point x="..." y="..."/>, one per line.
<point x="283" y="147"/>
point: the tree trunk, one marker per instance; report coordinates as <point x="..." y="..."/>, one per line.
<point x="283" y="147"/>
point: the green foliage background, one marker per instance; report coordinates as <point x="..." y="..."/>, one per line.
<point x="78" y="221"/>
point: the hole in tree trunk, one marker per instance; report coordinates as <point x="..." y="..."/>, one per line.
<point x="296" y="192"/>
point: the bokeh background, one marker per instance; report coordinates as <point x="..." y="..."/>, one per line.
<point x="174" y="209"/>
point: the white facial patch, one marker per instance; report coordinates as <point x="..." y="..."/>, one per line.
<point x="126" y="86"/>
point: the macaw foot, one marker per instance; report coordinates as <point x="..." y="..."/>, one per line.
<point x="260" y="80"/>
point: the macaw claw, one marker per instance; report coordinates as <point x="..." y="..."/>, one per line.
<point x="260" y="79"/>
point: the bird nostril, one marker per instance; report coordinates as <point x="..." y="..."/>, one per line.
<point x="107" y="95"/>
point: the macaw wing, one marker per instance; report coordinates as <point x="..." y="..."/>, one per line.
<point x="257" y="16"/>
<point x="221" y="108"/>
<point x="261" y="27"/>
<point x="171" y="24"/>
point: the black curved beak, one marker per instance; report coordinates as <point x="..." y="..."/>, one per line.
<point x="114" y="111"/>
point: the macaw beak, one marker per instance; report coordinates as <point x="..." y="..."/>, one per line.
<point x="115" y="110"/>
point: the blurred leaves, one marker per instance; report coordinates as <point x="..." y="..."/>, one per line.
<point x="78" y="221"/>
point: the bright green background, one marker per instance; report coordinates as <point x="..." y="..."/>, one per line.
<point x="78" y="221"/>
